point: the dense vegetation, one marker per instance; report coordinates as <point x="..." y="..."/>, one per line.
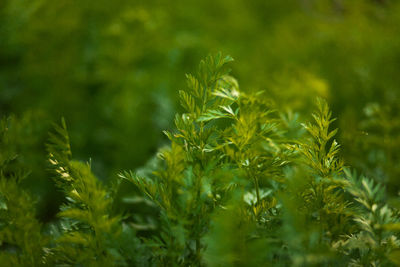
<point x="241" y="183"/>
<point x="257" y="174"/>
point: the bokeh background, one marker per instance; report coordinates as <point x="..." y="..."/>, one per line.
<point x="113" y="70"/>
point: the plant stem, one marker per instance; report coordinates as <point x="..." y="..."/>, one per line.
<point x="257" y="189"/>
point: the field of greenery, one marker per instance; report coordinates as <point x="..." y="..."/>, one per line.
<point x="200" y="133"/>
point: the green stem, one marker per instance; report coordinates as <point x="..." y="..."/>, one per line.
<point x="198" y="247"/>
<point x="257" y="189"/>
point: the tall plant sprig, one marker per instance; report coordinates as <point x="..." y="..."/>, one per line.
<point x="234" y="128"/>
<point x="222" y="133"/>
<point x="313" y="195"/>
<point x="87" y="221"/>
<point x="323" y="198"/>
<point x="321" y="154"/>
<point x="182" y="188"/>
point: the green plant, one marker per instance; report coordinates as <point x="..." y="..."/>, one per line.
<point x="21" y="241"/>
<point x="87" y="221"/>
<point x="241" y="183"/>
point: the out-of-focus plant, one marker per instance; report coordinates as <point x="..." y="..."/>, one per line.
<point x="21" y="241"/>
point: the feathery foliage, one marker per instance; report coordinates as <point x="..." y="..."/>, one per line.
<point x="87" y="222"/>
<point x="242" y="182"/>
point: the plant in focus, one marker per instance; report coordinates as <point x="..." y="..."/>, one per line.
<point x="241" y="182"/>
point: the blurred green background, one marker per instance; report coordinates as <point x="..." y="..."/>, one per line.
<point x="113" y="70"/>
